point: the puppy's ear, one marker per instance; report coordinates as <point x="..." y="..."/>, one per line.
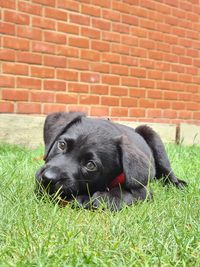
<point x="137" y="167"/>
<point x="56" y="124"/>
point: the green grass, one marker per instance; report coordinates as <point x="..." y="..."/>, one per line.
<point x="164" y="232"/>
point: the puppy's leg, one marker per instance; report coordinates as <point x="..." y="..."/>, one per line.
<point x="117" y="198"/>
<point x="163" y="167"/>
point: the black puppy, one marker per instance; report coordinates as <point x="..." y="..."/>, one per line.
<point x="95" y="160"/>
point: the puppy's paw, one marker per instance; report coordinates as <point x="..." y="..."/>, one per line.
<point x="181" y="184"/>
<point x="80" y="201"/>
<point x="98" y="199"/>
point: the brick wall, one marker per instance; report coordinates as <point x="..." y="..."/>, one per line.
<point x="131" y="59"/>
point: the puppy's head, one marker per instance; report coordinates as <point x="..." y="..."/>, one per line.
<point x="81" y="156"/>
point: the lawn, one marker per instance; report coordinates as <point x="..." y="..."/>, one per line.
<point x="164" y="232"/>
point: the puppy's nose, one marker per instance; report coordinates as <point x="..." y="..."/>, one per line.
<point x="49" y="176"/>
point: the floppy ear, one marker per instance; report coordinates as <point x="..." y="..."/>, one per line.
<point x="137" y="166"/>
<point x="57" y="123"/>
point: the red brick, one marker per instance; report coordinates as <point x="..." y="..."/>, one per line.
<point x="55" y="14"/>
<point x="30" y="58"/>
<point x="99" y="111"/>
<point x="178" y="105"/>
<point x="54" y="85"/>
<point x="7" y="81"/>
<point x="137" y="72"/>
<point x="7" y="55"/>
<point x="45" y="2"/>
<point x="67" y="51"/>
<point x="91" y="10"/>
<point x="14" y="68"/>
<point x="44" y="23"/>
<point x="16" y="17"/>
<point x="138" y="52"/>
<point x="110" y="79"/>
<point x="79" y="19"/>
<point x="196" y="115"/>
<point x="185" y="96"/>
<point x="67" y="75"/>
<point x="120" y="48"/>
<point x="67" y="98"/>
<point x="129" y="81"/>
<point x="146" y="83"/>
<point x="137" y="92"/>
<point x="78" y="87"/>
<point x="50" y="108"/>
<point x="100" y="46"/>
<point x="24" y="82"/>
<point x="29" y="108"/>
<point x="102" y="3"/>
<point x="137" y="112"/>
<point x="119" y="112"/>
<point x="120" y="70"/>
<point x="109" y="101"/>
<point x="118" y="91"/>
<point x="7" y="28"/>
<point x="154" y="113"/>
<point x="185" y="114"/>
<point x="15" y="43"/>
<point x="30" y="33"/>
<point x="99" y="89"/>
<point x="111" y="14"/>
<point x="111" y="58"/>
<point x="90" y="77"/>
<point x="43" y="47"/>
<point x="155" y="94"/>
<point x="68" y="28"/>
<point x="90" y="33"/>
<point x="55" y="61"/>
<point x="89" y="99"/>
<point x="163" y="104"/>
<point x="121" y="28"/>
<point x="155" y="75"/>
<point x="8" y="4"/>
<point x="90" y="55"/>
<point x="30" y="8"/>
<point x="129" y="102"/>
<point x="110" y="36"/>
<point x="101" y="24"/>
<point x="78" y="64"/>
<point x="146" y="103"/>
<point x="100" y="67"/>
<point x="55" y="37"/>
<point x="78" y="108"/>
<point x="129" y="60"/>
<point x="16" y="95"/>
<point x="122" y="7"/>
<point x="6" y="107"/>
<point x="78" y="42"/>
<point x="130" y="20"/>
<point x="40" y="96"/>
<point x="69" y="5"/>
<point x="42" y="72"/>
<point x="169" y="113"/>
<point x="170" y="95"/>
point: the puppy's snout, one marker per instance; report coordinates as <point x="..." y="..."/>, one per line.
<point x="49" y="176"/>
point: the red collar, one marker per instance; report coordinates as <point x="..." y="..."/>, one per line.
<point x="119" y="180"/>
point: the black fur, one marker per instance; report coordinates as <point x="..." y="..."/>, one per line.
<point x="72" y="140"/>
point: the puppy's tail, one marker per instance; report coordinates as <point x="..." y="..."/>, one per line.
<point x="163" y="167"/>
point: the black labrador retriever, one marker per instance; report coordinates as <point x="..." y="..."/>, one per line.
<point x="91" y="161"/>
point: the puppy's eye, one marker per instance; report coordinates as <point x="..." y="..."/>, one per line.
<point x="62" y="145"/>
<point x="91" y="166"/>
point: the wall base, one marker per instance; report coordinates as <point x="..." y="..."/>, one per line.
<point x="27" y="130"/>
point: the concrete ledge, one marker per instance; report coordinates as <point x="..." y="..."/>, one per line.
<point x="27" y="130"/>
